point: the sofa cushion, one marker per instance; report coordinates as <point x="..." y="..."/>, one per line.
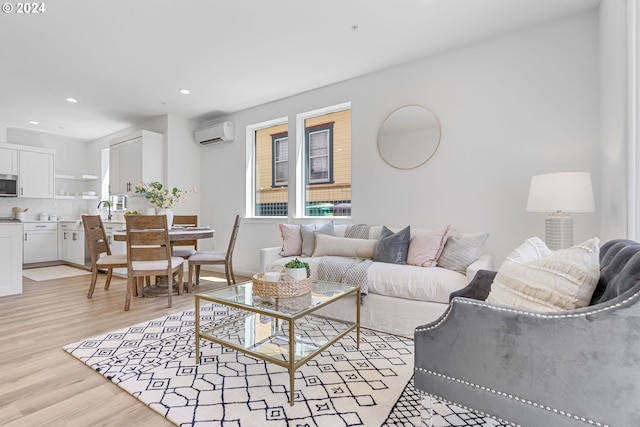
<point x="411" y="282"/>
<point x="340" y="229"/>
<point x="357" y="231"/>
<point x="461" y="250"/>
<point x="309" y="231"/>
<point x="426" y="246"/>
<point x="291" y="239"/>
<point x="619" y="270"/>
<point x="534" y="278"/>
<point x="344" y="246"/>
<point x="393" y="247"/>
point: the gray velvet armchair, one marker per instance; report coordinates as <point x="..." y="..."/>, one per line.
<point x="531" y="369"/>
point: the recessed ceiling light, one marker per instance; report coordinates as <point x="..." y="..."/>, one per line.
<point x="185" y="91"/>
<point x="33" y="122"/>
<point x="72" y="100"/>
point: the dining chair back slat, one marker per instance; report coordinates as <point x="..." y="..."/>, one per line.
<point x="185" y="248"/>
<point x="99" y="251"/>
<point x="149" y="253"/>
<point x="215" y="257"/>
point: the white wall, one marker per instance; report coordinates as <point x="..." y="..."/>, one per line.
<point x="511" y="107"/>
<point x="183" y="161"/>
<point x="614" y="135"/>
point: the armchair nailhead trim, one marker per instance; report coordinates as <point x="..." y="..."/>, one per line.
<point x="481" y="413"/>
<point x="561" y="315"/>
<point x="503" y="394"/>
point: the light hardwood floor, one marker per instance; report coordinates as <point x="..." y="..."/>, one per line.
<point x="40" y="383"/>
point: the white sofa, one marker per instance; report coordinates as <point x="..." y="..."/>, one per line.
<point x="400" y="297"/>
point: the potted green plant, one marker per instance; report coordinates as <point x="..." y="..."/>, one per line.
<point x="299" y="270"/>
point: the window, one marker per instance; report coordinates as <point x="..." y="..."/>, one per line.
<point x="280" y="160"/>
<point x="327" y="162"/>
<point x="319" y="148"/>
<point x="271" y="168"/>
<point x="318" y="182"/>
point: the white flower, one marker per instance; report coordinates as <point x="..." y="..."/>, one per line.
<point x="160" y="196"/>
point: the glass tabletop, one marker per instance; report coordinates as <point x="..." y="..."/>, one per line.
<point x="242" y="295"/>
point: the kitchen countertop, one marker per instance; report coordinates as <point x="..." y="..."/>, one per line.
<point x="9" y="220"/>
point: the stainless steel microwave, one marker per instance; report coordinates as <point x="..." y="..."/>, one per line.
<point x="8" y="185"/>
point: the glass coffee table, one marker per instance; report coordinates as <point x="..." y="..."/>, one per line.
<point x="285" y="331"/>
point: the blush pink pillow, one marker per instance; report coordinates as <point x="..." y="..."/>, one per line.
<point x="426" y="246"/>
<point x="291" y="240"/>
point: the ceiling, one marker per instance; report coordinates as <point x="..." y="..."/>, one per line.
<point x="125" y="61"/>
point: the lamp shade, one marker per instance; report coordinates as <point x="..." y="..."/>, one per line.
<point x="562" y="191"/>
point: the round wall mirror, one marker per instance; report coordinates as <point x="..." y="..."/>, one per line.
<point x="409" y="137"/>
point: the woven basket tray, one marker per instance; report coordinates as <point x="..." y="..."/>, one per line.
<point x="281" y="289"/>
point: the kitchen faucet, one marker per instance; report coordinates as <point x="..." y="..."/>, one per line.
<point x="108" y="203"/>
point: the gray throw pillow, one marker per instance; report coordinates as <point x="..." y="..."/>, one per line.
<point x="460" y="251"/>
<point x="309" y="237"/>
<point x="393" y="247"/>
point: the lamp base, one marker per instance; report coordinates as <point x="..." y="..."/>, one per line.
<point x="559" y="231"/>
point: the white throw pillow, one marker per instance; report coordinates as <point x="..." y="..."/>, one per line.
<point x="537" y="279"/>
<point x="344" y="246"/>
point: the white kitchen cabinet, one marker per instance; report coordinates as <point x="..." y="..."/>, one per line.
<point x="72" y="242"/>
<point x="8" y="161"/>
<point x="11" y="259"/>
<point x="134" y="159"/>
<point x="40" y="242"/>
<point x="35" y="174"/>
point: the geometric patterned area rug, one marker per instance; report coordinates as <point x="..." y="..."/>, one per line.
<point x="342" y="386"/>
<point x="54" y="272"/>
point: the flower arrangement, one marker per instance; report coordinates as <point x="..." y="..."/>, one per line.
<point x="162" y="197"/>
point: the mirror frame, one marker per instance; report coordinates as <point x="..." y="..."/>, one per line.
<point x="429" y="155"/>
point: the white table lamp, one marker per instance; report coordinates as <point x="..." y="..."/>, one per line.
<point x="559" y="194"/>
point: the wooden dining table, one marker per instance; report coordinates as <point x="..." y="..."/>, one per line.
<point x="176" y="235"/>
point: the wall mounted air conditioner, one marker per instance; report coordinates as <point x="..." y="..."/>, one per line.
<point x="214" y="134"/>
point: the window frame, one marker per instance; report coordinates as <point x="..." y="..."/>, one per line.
<point x="251" y="172"/>
<point x="328" y="128"/>
<point x="300" y="199"/>
<point x="275" y="139"/>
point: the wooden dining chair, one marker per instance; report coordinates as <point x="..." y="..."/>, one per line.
<point x="149" y="254"/>
<point x="215" y="257"/>
<point x="185" y="248"/>
<point x="100" y="252"/>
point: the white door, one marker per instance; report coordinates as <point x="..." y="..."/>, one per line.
<point x="76" y="252"/>
<point x="40" y="246"/>
<point x="8" y="161"/>
<point x="11" y="259"/>
<point x="131" y="161"/>
<point x="114" y="169"/>
<point x="35" y="175"/>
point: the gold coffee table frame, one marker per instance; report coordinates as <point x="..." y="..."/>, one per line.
<point x="259" y="330"/>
